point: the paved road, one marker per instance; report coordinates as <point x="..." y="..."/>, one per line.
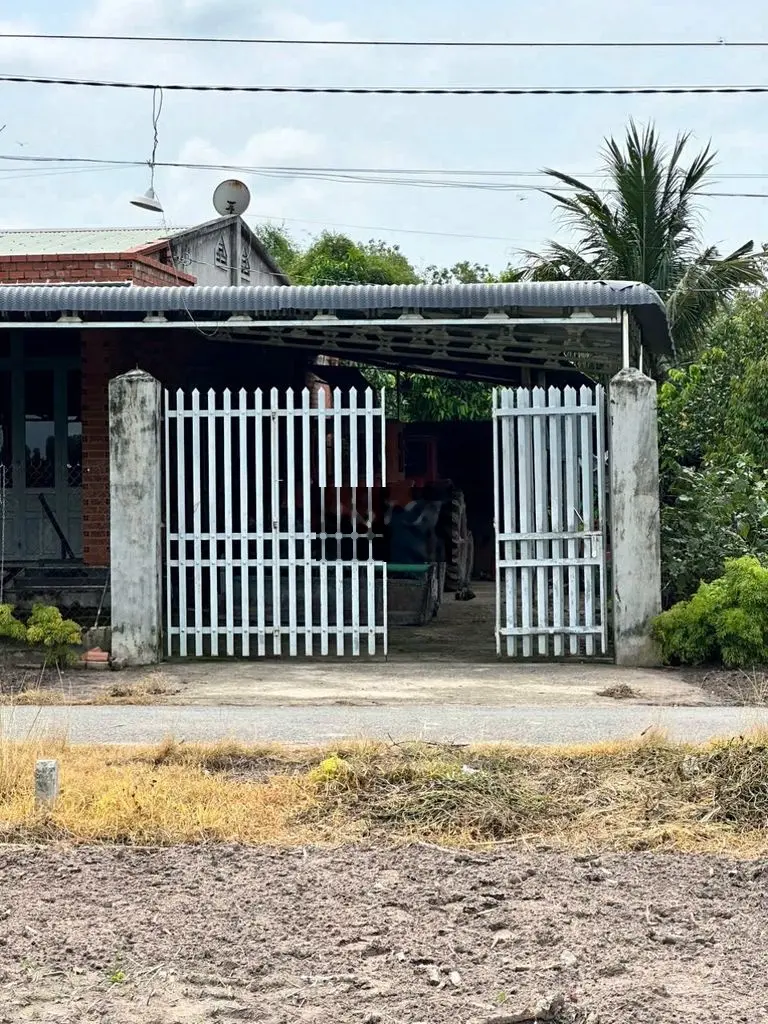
<point x="451" y="723"/>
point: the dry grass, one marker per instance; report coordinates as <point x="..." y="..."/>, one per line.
<point x="650" y="794"/>
<point x="618" y="692"/>
<point x="155" y="688"/>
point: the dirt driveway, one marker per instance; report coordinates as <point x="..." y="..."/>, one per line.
<point x="191" y="935"/>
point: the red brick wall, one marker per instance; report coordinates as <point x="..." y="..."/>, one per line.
<point x="89" y="267"/>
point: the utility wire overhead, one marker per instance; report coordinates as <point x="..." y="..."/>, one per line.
<point x="309" y="170"/>
<point x="407" y="90"/>
<point x="520" y="44"/>
<point x="358" y="176"/>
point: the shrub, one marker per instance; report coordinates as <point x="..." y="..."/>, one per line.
<point x="725" y="621"/>
<point x="56" y="635"/>
<point x="10" y="627"/>
<point x="710" y="514"/>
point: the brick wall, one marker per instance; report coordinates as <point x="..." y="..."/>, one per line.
<point x="98" y="268"/>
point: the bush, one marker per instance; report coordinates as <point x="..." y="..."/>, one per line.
<point x="56" y="635"/>
<point x="725" y="621"/>
<point x="10" y="627"/>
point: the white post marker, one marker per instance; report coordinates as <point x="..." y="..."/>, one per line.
<point x="46" y="783"/>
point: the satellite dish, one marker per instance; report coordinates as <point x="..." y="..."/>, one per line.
<point x="231" y="198"/>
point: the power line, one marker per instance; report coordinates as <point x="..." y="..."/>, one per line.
<point x="408" y="90"/>
<point x="341" y="175"/>
<point x="379" y="227"/>
<point x="527" y="44"/>
<point x="312" y="169"/>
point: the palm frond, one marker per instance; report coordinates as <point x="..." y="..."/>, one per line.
<point x="646" y="227"/>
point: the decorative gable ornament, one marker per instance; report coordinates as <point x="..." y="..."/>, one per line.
<point x="221" y="257"/>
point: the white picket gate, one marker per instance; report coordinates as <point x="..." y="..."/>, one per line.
<point x="270" y="548"/>
<point x="550" y="501"/>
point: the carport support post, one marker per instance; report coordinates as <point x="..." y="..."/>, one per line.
<point x="635" y="529"/>
<point x="135" y="518"/>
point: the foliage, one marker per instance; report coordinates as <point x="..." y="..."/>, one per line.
<point x="429" y="399"/>
<point x="707" y="515"/>
<point x="335" y="259"/>
<point x="56" y="635"/>
<point x="717" y="408"/>
<point x="280" y="246"/>
<point x="465" y="272"/>
<point x="646" y="229"/>
<point x="725" y="621"/>
<point x="10" y="627"/>
<point x="713" y="434"/>
<point x="422" y="398"/>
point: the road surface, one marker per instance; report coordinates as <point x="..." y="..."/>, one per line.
<point x="328" y="724"/>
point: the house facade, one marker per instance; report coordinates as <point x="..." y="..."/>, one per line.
<point x="54" y="449"/>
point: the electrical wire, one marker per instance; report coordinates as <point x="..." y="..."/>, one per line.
<point x="527" y="44"/>
<point x="406" y="90"/>
<point x="157" y="109"/>
<point x="379" y="227"/>
<point x="361" y="176"/>
<point x="290" y="170"/>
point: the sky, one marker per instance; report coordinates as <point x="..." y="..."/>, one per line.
<point x="435" y="225"/>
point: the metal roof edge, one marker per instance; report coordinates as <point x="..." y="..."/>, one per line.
<point x="641" y="299"/>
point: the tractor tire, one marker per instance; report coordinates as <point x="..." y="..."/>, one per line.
<point x="455" y="562"/>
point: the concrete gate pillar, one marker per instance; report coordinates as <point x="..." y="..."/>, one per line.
<point x="635" y="516"/>
<point x="135" y="518"/>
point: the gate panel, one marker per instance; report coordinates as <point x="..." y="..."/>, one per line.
<point x="550" y="508"/>
<point x="272" y="546"/>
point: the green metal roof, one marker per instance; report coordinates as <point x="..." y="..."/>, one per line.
<point x="47" y="242"/>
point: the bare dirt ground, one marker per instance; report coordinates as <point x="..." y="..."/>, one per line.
<point x="188" y="935"/>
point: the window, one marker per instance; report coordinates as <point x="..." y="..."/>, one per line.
<point x="245" y="264"/>
<point x="39" y="429"/>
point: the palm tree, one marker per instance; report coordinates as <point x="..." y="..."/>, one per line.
<point x="645" y="227"/>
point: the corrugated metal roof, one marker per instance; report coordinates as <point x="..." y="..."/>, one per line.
<point x="45" y="242"/>
<point x="543" y="296"/>
<point x="262" y="298"/>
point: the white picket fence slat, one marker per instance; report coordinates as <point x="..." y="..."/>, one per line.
<point x="550" y="514"/>
<point x="260" y="554"/>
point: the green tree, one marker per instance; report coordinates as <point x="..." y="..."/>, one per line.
<point x="336" y="259"/>
<point x="466" y="272"/>
<point x="716" y="409"/>
<point x="280" y="246"/>
<point x="713" y="434"/>
<point x="644" y="226"/>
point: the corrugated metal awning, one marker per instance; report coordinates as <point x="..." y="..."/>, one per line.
<point x="495" y="329"/>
